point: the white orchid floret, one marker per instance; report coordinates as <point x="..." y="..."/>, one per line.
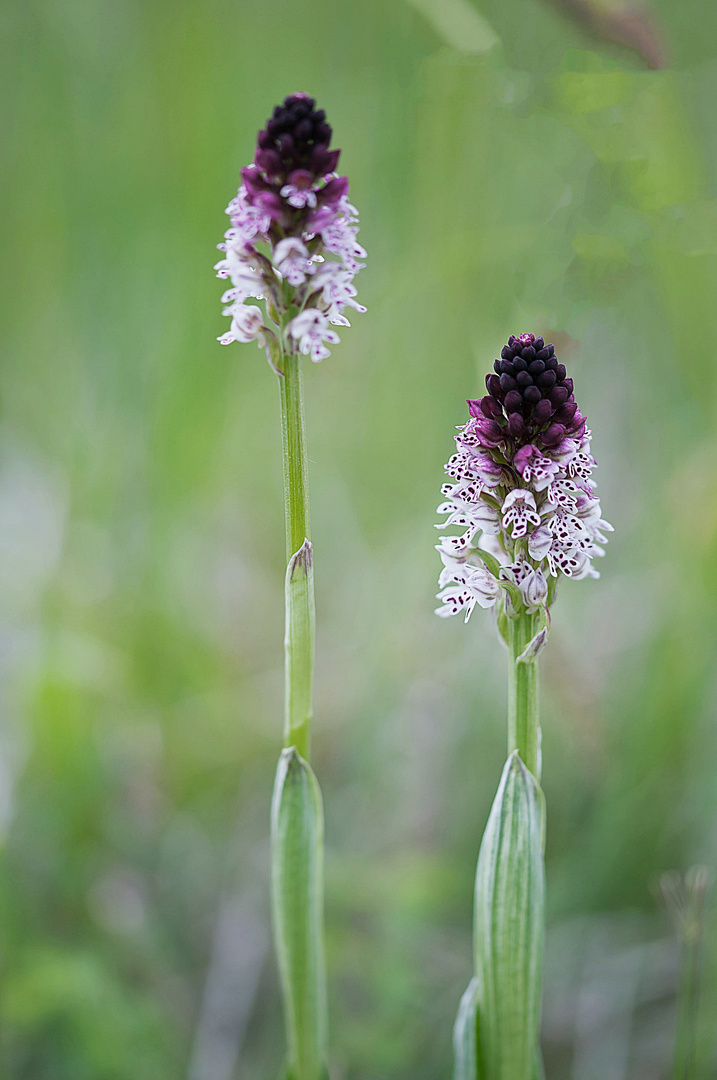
<point x="248" y="220"/>
<point x="247" y="325"/>
<point x="298" y="196"/>
<point x="562" y="492"/>
<point x="453" y="565"/>
<point x="581" y="464"/>
<point x="469" y="491"/>
<point x="339" y="236"/>
<point x="464" y="467"/>
<point x="334" y="284"/>
<point x="539" y="471"/>
<point x="245" y="279"/>
<point x="291" y="259"/>
<point x="479" y="515"/>
<point x="311" y="330"/>
<point x="519" y="511"/>
<point x="458" y="547"/>
<point x="491" y="474"/>
<point x="535" y="590"/>
<point x="539" y="542"/>
<point x="531" y="582"/>
<point x="570" y="561"/>
<point x="478" y="586"/>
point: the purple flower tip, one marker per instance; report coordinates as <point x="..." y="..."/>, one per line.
<point x="296" y="138"/>
<point x="530" y="396"/>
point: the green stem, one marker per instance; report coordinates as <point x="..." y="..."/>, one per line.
<point x="523" y="694"/>
<point x="296" y="478"/>
<point x="300" y="619"/>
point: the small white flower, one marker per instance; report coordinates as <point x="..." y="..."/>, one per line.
<point x="582" y="465"/>
<point x="517" y="572"/>
<point x="339" y="236"/>
<point x="247" y="324"/>
<point x="337" y="292"/>
<point x="298" y="197"/>
<point x="455" y="566"/>
<point x="466" y="467"/>
<point x="479" y="587"/>
<point x="470" y="515"/>
<point x="488" y="470"/>
<point x="466" y="491"/>
<point x="569" y="561"/>
<point x="245" y="279"/>
<point x="562" y="492"/>
<point x="291" y="258"/>
<point x="519" y="511"/>
<point x="539" y="542"/>
<point x="540" y="470"/>
<point x="534" y="589"/>
<point x="456" y="546"/>
<point x="311" y="329"/>
<point x="247" y="220"/>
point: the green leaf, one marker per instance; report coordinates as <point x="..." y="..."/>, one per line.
<point x="299" y="647"/>
<point x="466" y="1035"/>
<point x="297" y="830"/>
<point x="509" y="925"/>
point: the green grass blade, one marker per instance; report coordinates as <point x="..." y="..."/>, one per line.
<point x="466" y="1035"/>
<point x="509" y="925"/>
<point x="297" y="830"/>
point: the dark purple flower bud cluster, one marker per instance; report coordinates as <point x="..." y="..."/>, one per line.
<point x="296" y="137"/>
<point x="530" y="398"/>
<point x="293" y="157"/>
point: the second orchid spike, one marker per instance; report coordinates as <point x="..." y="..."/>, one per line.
<point x="521" y="489"/>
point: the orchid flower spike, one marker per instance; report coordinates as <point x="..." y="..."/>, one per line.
<point x="521" y="487"/>
<point x="292" y="241"/>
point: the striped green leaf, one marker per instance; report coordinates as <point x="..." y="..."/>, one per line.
<point x="297" y="829"/>
<point x="466" y="1035"/>
<point x="509" y="925"/>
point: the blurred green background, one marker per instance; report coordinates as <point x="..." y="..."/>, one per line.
<point x="517" y="166"/>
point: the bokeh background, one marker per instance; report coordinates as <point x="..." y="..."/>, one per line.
<point x="518" y="165"/>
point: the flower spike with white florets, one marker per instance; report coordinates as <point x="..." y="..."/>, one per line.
<point x="292" y="240"/>
<point x="521" y="489"/>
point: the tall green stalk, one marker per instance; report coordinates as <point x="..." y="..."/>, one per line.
<point x="297" y="815"/>
<point x="300" y="612"/>
<point x="523" y="694"/>
<point x="293" y="245"/>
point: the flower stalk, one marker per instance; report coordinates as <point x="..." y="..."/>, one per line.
<point x="300" y="617"/>
<point x="292" y="244"/>
<point x="296" y="473"/>
<point x="523" y="693"/>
